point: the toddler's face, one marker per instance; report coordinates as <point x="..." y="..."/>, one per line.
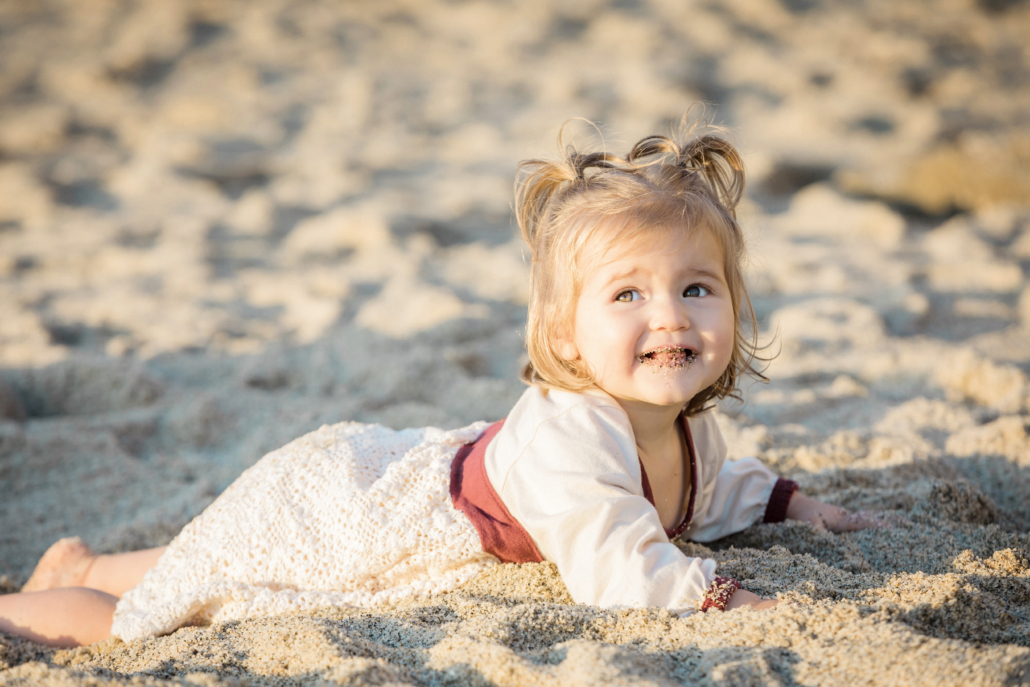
<point x="655" y="325"/>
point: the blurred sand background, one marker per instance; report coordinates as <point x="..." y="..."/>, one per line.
<point x="223" y="224"/>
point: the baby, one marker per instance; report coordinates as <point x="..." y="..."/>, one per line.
<point x="639" y="320"/>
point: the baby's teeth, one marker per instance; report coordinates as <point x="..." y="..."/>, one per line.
<point x="669" y="358"/>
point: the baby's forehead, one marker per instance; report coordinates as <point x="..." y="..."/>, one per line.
<point x="604" y="250"/>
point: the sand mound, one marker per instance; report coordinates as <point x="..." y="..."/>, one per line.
<point x="515" y="626"/>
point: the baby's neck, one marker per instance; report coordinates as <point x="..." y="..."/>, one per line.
<point x="655" y="428"/>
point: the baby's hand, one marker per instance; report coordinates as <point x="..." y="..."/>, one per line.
<point x="864" y="520"/>
<point x="837" y="519"/>
<point x="742" y="597"/>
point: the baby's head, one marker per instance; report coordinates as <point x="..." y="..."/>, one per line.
<point x="586" y="210"/>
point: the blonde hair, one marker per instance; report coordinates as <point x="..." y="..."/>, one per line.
<point x="662" y="186"/>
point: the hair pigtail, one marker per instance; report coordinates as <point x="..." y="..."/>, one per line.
<point x="720" y="165"/>
<point x="541" y="181"/>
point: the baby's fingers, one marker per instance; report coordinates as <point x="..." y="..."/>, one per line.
<point x="868" y="519"/>
<point x="894" y="519"/>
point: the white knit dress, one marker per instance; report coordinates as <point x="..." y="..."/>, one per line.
<point x="350" y="514"/>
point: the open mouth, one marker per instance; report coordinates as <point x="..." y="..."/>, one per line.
<point x="668" y="357"/>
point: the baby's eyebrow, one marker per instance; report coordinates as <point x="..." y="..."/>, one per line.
<point x="619" y="276"/>
<point x="691" y="271"/>
<point x="707" y="273"/>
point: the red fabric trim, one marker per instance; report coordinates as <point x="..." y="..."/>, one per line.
<point x="471" y="492"/>
<point x="646" y="484"/>
<point x="649" y="495"/>
<point x="779" y="500"/>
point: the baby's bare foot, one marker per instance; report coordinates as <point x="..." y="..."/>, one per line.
<point x="64" y="564"/>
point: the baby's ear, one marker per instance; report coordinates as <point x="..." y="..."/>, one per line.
<point x="566" y="348"/>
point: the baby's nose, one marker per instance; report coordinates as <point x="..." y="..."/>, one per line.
<point x="668" y="313"/>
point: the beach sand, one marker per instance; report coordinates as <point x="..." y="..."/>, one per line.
<point x="224" y="224"/>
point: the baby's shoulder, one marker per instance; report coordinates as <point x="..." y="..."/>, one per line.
<point x="564" y="413"/>
<point x="705" y="434"/>
<point x="559" y="425"/>
<point x="705" y="422"/>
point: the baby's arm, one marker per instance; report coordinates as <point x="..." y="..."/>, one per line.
<point x="834" y="518"/>
<point x="742" y="598"/>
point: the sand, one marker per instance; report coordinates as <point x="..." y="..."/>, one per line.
<point x="223" y="224"/>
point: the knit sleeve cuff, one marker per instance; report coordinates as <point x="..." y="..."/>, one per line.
<point x="719" y="593"/>
<point x="776" y="511"/>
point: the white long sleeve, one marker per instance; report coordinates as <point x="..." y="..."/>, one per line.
<point x="733" y="494"/>
<point x="733" y="501"/>
<point x="566" y="466"/>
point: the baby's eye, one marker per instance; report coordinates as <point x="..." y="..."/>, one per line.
<point x="696" y="291"/>
<point x="627" y="296"/>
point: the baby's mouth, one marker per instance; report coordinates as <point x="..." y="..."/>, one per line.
<point x="668" y="357"/>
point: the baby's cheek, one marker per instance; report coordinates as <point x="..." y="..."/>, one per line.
<point x="719" y="340"/>
<point x="719" y="349"/>
<point x="727" y="333"/>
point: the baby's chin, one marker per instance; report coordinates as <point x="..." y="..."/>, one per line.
<point x="666" y="393"/>
<point x="671" y="400"/>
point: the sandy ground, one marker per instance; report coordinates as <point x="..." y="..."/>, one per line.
<point x="225" y="224"/>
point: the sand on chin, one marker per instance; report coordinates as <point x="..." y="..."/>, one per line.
<point x="225" y="224"/>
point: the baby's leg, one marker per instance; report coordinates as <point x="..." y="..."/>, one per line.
<point x="117" y="573"/>
<point x="70" y="563"/>
<point x="59" y="617"/>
